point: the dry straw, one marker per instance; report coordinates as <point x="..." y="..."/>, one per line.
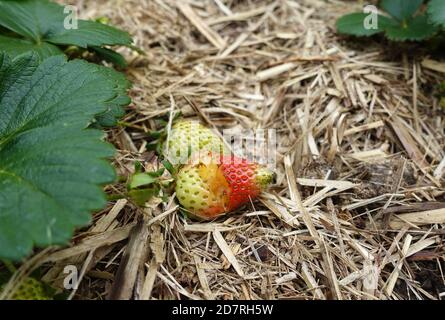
<point x="358" y="208"/>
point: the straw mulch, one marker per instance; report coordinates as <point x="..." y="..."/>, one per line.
<point x="358" y="210"/>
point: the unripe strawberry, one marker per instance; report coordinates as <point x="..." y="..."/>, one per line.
<point x="190" y="137"/>
<point x="203" y="190"/>
<point x="208" y="189"/>
<point x="31" y="289"/>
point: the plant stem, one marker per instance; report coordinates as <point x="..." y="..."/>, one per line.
<point x="113" y="197"/>
<point x="8" y="264"/>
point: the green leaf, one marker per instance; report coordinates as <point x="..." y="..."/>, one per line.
<point x="436" y="11"/>
<point x="141" y="179"/>
<point x="41" y="23"/>
<point x="154" y="147"/>
<point x="51" y="167"/>
<point x="401" y="9"/>
<point x="138" y="167"/>
<point x="353" y="24"/>
<point x="141" y="196"/>
<point x="110" y="56"/>
<point x="416" y="29"/>
<point x="89" y="33"/>
<point x="15" y="47"/>
<point x="170" y="168"/>
<point x="110" y="117"/>
<point x="115" y="109"/>
<point x="155" y="134"/>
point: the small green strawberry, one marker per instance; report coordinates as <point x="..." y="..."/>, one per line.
<point x="31" y="289"/>
<point x="189" y="137"/>
<point x="208" y="188"/>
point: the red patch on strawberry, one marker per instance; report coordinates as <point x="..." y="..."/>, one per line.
<point x="241" y="177"/>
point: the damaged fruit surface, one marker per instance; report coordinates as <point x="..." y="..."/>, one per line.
<point x="208" y="188"/>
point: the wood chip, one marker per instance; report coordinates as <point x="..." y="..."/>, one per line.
<point x="325" y="183"/>
<point x="211" y="35"/>
<point x="132" y="261"/>
<point x="92" y="243"/>
<point x="222" y="244"/>
<point x="434" y="65"/>
<point x="418" y="218"/>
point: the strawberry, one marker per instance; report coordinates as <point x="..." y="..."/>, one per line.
<point x="246" y="179"/>
<point x="31" y="289"/>
<point x="189" y="137"/>
<point x="202" y="190"/>
<point x="208" y="189"/>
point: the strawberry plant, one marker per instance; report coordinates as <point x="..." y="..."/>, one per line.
<point x="403" y="21"/>
<point x="143" y="186"/>
<point x="39" y="26"/>
<point x="436" y="11"/>
<point x="52" y="166"/>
